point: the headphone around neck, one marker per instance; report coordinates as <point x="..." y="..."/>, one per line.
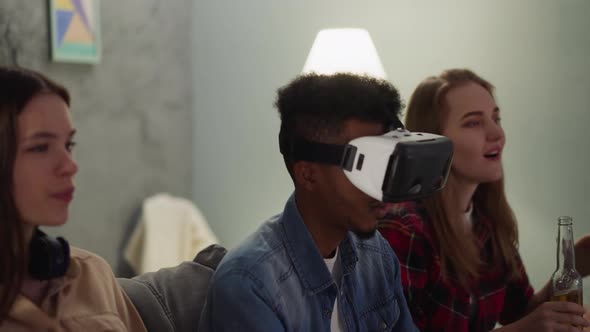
<point x="48" y="257"/>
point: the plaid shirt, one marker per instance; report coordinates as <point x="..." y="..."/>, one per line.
<point x="443" y="305"/>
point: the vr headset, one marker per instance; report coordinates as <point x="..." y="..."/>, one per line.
<point x="397" y="166"/>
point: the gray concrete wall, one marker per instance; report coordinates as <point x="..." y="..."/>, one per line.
<point x="132" y="111"/>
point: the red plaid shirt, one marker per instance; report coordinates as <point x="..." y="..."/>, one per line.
<point x="439" y="305"/>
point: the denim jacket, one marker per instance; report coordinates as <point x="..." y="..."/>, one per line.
<point x="277" y="280"/>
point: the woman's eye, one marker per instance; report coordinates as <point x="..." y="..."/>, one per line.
<point x="70" y="146"/>
<point x="39" y="148"/>
<point x="472" y="124"/>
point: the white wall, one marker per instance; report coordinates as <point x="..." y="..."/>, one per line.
<point x="536" y="52"/>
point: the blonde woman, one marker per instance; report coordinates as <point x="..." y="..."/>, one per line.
<point x="461" y="270"/>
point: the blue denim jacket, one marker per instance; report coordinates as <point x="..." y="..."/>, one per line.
<point x="278" y="281"/>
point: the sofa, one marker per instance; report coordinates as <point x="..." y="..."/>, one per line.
<point x="171" y="299"/>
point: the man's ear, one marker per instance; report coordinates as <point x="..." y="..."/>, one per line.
<point x="304" y="173"/>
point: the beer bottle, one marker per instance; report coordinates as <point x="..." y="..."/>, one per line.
<point x="566" y="282"/>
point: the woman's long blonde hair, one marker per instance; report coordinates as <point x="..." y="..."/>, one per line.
<point x="462" y="259"/>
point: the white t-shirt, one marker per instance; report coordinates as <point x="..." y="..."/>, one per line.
<point x="333" y="265"/>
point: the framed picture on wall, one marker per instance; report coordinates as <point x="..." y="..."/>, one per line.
<point x="75" y="30"/>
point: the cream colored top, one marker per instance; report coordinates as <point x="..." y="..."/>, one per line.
<point x="88" y="298"/>
<point x="171" y="230"/>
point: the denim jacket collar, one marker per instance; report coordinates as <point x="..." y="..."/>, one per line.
<point x="305" y="255"/>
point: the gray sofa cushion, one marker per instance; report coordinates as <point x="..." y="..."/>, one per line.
<point x="171" y="299"/>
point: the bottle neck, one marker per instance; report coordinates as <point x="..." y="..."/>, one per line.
<point x="566" y="259"/>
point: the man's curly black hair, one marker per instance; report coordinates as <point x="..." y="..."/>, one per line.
<point x="315" y="107"/>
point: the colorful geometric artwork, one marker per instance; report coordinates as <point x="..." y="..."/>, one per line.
<point x="75" y="30"/>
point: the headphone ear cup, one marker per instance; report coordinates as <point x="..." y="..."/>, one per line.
<point x="48" y="257"/>
<point x="63" y="262"/>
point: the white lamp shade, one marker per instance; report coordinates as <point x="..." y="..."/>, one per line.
<point x="344" y="51"/>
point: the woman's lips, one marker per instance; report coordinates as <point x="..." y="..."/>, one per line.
<point x="65" y="195"/>
<point x="494" y="154"/>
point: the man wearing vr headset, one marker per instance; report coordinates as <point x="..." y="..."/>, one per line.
<point x="320" y="265"/>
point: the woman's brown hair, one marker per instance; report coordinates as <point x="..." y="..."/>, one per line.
<point x="426" y="112"/>
<point x="17" y="87"/>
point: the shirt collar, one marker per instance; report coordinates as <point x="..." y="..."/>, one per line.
<point x="29" y="314"/>
<point x="305" y="255"/>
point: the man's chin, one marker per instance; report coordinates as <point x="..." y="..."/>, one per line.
<point x="365" y="234"/>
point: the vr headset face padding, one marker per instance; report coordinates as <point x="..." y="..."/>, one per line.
<point x="49" y="257"/>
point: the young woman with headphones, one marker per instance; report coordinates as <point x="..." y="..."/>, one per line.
<point x="44" y="283"/>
